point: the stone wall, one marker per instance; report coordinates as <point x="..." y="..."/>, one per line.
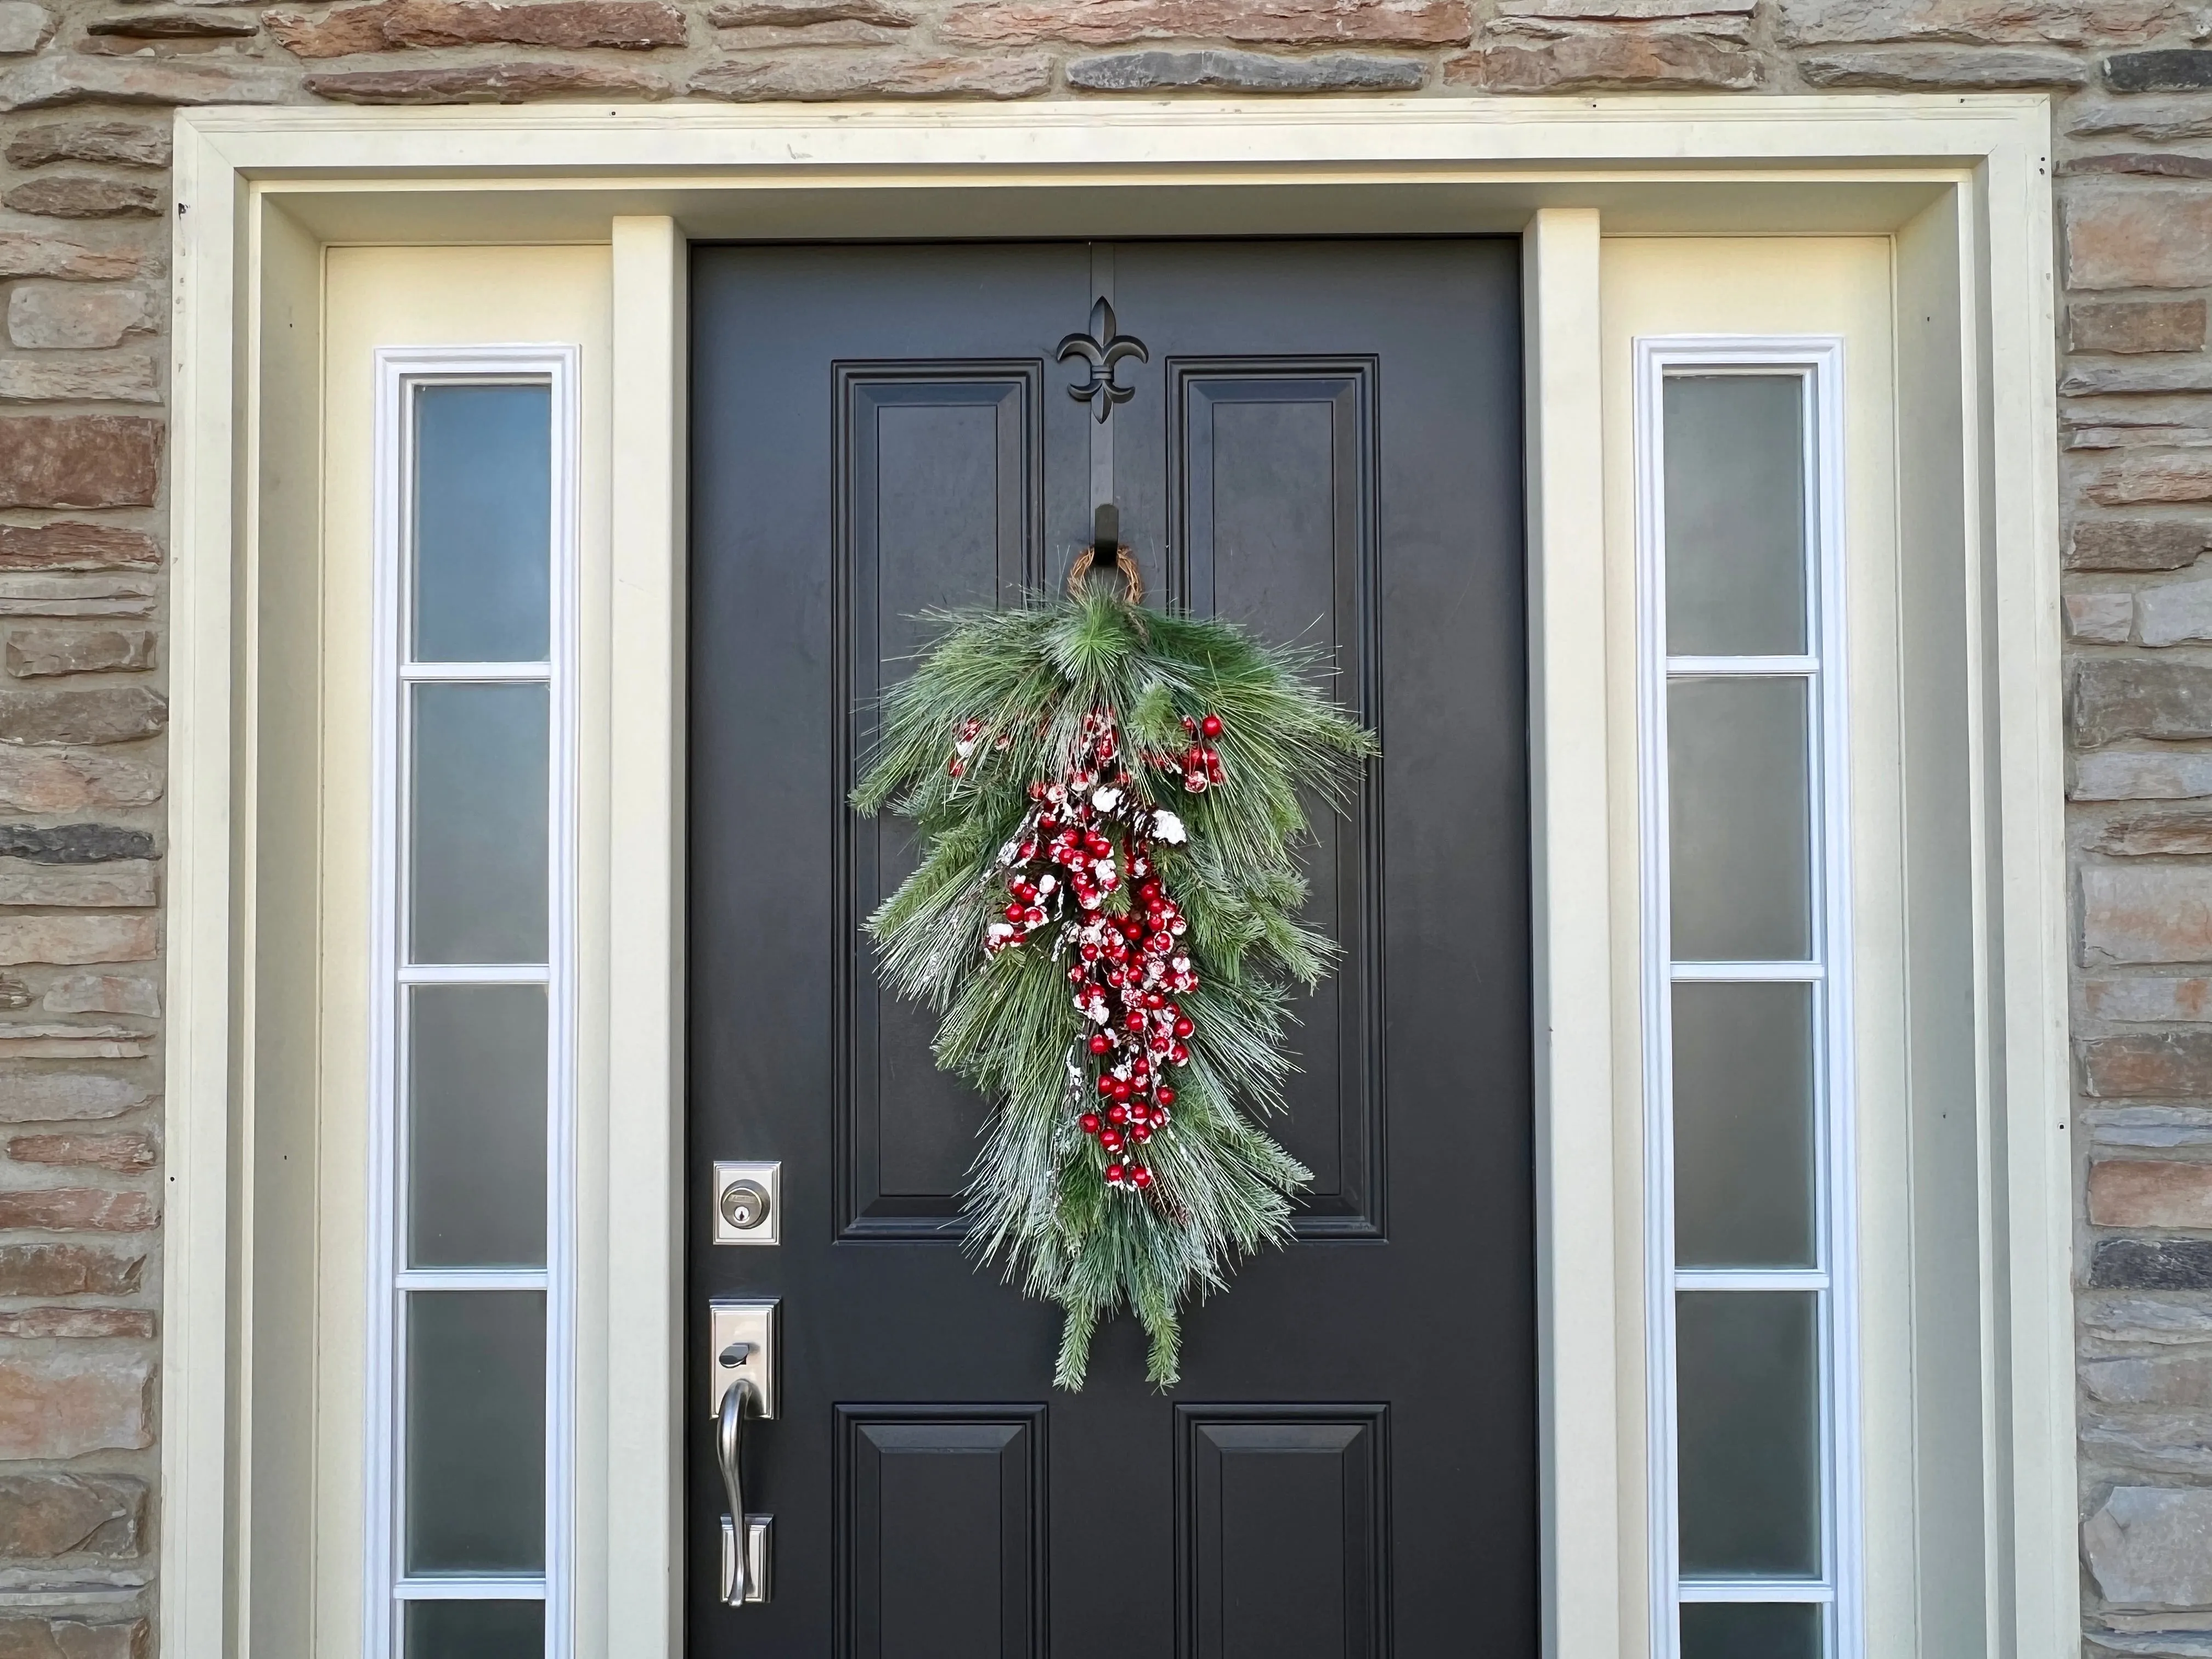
<point x="83" y="238"/>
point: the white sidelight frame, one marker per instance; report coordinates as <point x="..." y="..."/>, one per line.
<point x="400" y="373"/>
<point x="1817" y="365"/>
<point x="1960" y="185"/>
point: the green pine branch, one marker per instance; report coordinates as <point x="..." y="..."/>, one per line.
<point x="1037" y="1197"/>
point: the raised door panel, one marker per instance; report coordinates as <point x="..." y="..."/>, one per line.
<point x="1271" y="478"/>
<point x="941" y="1531"/>
<point x="1283" y="1517"/>
<point x="938" y="484"/>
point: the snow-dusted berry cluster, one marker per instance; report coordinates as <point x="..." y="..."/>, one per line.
<point x="1083" y="837"/>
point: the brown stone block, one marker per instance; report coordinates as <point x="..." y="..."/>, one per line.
<point x="1646" y="59"/>
<point x="69" y="1270"/>
<point x="2135" y="325"/>
<point x="1982" y="23"/>
<point x="60" y="78"/>
<point x="484" y="84"/>
<point x="108" y="380"/>
<point x="123" y="883"/>
<point x="78" y="196"/>
<point x="2158" y="238"/>
<point x="70" y="544"/>
<point x="2106" y="544"/>
<point x="197" y="23"/>
<point x="383" y="25"/>
<point x="80" y="460"/>
<point x="2148" y="1194"/>
<point x="110" y="714"/>
<point x="66" y="1405"/>
<point x="2142" y="480"/>
<point x="2143" y="913"/>
<point x="2172" y="835"/>
<point x="127" y="143"/>
<point x="22" y="254"/>
<point x="70" y="1096"/>
<point x="2142" y="164"/>
<point x="34" y="652"/>
<point x="78" y="1324"/>
<point x="2149" y="1065"/>
<point x="71" y="1638"/>
<point x="818" y="76"/>
<point x="1960" y="67"/>
<point x="1107" y="22"/>
<point x="31" y="782"/>
<point x="130" y="1152"/>
<point x="78" y="941"/>
<point x="78" y="1210"/>
<point x="44" y="1517"/>
<point x="2147" y="998"/>
<point x="103" y="993"/>
<point x="803" y="14"/>
<point x="2116" y="697"/>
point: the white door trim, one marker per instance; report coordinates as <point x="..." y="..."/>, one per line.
<point x="1961" y="181"/>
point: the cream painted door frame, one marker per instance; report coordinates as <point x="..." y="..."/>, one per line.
<point x="1959" y="184"/>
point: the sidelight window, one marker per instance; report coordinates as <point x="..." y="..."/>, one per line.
<point x="1745" y="1000"/>
<point x="472" y="1005"/>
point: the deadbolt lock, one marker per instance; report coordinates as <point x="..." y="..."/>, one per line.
<point x="746" y="1201"/>
<point x="744" y="1205"/>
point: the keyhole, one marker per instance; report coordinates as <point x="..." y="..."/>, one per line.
<point x="744" y="1205"/>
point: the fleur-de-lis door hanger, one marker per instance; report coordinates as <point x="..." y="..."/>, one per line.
<point x="1102" y="349"/>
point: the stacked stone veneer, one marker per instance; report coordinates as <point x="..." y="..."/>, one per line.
<point x="83" y="238"/>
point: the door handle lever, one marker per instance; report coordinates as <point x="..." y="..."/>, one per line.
<point x="744" y="1537"/>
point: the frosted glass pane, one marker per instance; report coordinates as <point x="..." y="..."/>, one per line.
<point x="476" y="1126"/>
<point x="483" y="523"/>
<point x="1735" y="515"/>
<point x="476" y="1431"/>
<point x="1740" y="812"/>
<point x="476" y="1630"/>
<point x="1743" y="1126"/>
<point x="1748" y="1415"/>
<point x="479" y="824"/>
<point x="1729" y="1629"/>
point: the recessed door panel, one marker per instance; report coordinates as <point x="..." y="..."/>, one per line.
<point x="1271" y="471"/>
<point x="938" y="466"/>
<point x="941" y="1526"/>
<point x="1283" y="1516"/>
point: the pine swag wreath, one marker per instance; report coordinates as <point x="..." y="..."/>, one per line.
<point x="1105" y="919"/>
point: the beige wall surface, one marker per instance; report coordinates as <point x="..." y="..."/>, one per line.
<point x="84" y="206"/>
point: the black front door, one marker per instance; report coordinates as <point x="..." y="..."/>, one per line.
<point x="1325" y="443"/>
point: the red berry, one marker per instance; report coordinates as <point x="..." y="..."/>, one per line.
<point x="1110" y="1140"/>
<point x="1100" y="1043"/>
<point x="1106" y="1087"/>
<point x="1135" y="1022"/>
<point x="1114" y="1171"/>
<point x="1210" y="725"/>
<point x="1013" y="913"/>
<point x="1183" y="1027"/>
<point x="1141" y="1175"/>
<point x="1142" y="1133"/>
<point x="1090" y="1122"/>
<point x="1117" y="1113"/>
<point x="1166" y="1095"/>
<point x="1179" y="1054"/>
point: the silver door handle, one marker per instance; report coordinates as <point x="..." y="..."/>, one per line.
<point x="744" y="1537"/>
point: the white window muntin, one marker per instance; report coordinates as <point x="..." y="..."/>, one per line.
<point x="401" y="374"/>
<point x="1816" y="363"/>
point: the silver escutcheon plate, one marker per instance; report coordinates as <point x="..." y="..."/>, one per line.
<point x="748" y="1203"/>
